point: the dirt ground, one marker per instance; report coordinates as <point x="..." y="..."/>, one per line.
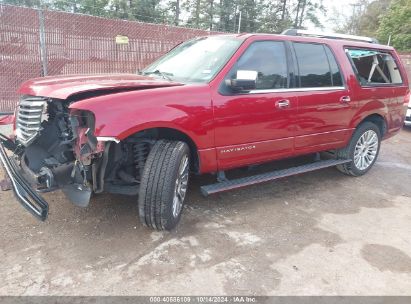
<point x="321" y="233"/>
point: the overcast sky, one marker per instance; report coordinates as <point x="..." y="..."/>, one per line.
<point x="342" y="6"/>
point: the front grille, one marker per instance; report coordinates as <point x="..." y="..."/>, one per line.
<point x="29" y="117"/>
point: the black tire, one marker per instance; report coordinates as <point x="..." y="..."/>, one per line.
<point x="348" y="152"/>
<point x="159" y="183"/>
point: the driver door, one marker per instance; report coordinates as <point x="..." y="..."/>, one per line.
<point x="257" y="125"/>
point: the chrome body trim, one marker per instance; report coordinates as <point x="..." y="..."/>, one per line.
<point x="335" y="35"/>
<point x="297" y="90"/>
<point x="108" y="138"/>
<point x="29" y="117"/>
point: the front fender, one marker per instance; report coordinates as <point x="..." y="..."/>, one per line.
<point x="187" y="109"/>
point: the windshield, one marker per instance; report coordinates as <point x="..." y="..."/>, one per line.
<point x="197" y="60"/>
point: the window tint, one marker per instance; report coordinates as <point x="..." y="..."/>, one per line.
<point x="335" y="71"/>
<point x="315" y="67"/>
<point x="268" y="59"/>
<point x="374" y="67"/>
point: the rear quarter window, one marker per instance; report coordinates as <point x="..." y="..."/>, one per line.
<point x="374" y="67"/>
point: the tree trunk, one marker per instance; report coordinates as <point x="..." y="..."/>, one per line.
<point x="303" y="6"/>
<point x="252" y="16"/>
<point x="235" y="16"/>
<point x="297" y="14"/>
<point x="211" y="14"/>
<point x="283" y="10"/>
<point x="197" y="13"/>
<point x="177" y="14"/>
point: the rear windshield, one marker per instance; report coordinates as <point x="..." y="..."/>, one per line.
<point x="374" y="67"/>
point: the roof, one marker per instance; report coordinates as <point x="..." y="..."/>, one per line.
<point x="330" y="41"/>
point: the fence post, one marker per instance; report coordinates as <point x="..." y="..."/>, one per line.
<point x="43" y="47"/>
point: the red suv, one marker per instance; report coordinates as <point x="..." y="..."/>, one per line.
<point x="211" y="104"/>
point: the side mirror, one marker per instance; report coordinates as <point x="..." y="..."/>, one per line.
<point x="245" y="81"/>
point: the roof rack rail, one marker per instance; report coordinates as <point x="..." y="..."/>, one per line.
<point x="298" y="32"/>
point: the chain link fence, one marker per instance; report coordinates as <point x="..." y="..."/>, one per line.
<point x="35" y="43"/>
<point x="19" y="51"/>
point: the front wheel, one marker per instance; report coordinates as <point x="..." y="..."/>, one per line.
<point x="363" y="150"/>
<point x="164" y="184"/>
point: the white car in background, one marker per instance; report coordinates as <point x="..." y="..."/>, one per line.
<point x="408" y="115"/>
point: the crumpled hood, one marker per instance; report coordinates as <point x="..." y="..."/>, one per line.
<point x="64" y="86"/>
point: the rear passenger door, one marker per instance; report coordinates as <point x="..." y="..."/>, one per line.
<point x="325" y="108"/>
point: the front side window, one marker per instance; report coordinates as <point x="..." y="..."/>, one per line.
<point x="317" y="66"/>
<point x="374" y="67"/>
<point x="267" y="60"/>
<point x="197" y="60"/>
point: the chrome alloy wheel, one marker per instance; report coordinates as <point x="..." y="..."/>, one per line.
<point x="366" y="150"/>
<point x="180" y="189"/>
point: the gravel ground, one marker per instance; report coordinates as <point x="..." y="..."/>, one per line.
<point x="320" y="233"/>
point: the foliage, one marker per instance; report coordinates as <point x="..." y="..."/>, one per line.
<point x="379" y="18"/>
<point x="220" y="15"/>
<point x="397" y="24"/>
<point x="369" y="22"/>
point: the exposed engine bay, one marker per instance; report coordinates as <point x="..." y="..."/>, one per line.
<point x="56" y="148"/>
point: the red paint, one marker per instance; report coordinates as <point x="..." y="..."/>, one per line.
<point x="7" y="120"/>
<point x="233" y="131"/>
<point x="64" y="86"/>
<point x="82" y="139"/>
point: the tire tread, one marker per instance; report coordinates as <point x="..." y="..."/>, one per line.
<point x="157" y="183"/>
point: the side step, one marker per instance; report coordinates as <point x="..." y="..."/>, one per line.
<point x="265" y="177"/>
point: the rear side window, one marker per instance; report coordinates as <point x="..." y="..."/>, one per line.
<point x="317" y="66"/>
<point x="374" y="67"/>
<point x="335" y="70"/>
<point x="268" y="59"/>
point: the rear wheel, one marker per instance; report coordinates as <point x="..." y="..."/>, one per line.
<point x="164" y="184"/>
<point x="363" y="150"/>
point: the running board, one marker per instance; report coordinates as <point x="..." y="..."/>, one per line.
<point x="265" y="177"/>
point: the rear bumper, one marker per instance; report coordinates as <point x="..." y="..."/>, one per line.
<point x="27" y="196"/>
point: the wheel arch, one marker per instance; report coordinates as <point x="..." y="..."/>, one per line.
<point x="375" y="111"/>
<point x="171" y="134"/>
<point x="376" y="119"/>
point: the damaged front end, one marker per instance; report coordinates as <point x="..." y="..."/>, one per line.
<point x="55" y="148"/>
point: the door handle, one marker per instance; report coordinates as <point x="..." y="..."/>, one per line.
<point x="282" y="104"/>
<point x="345" y="99"/>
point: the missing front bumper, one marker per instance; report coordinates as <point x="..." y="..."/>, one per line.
<point x="28" y="197"/>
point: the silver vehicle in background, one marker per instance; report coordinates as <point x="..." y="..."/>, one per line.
<point x="408" y="115"/>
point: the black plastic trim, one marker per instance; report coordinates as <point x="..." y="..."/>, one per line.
<point x="265" y="177"/>
<point x="28" y="197"/>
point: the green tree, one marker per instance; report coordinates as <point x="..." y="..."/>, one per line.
<point x="396" y="23"/>
<point x="271" y="16"/>
<point x="226" y="10"/>
<point x="174" y="7"/>
<point x="193" y="9"/>
<point x="275" y="16"/>
<point x="364" y="19"/>
<point x="369" y="21"/>
<point x="307" y="10"/>
<point x="27" y="3"/>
